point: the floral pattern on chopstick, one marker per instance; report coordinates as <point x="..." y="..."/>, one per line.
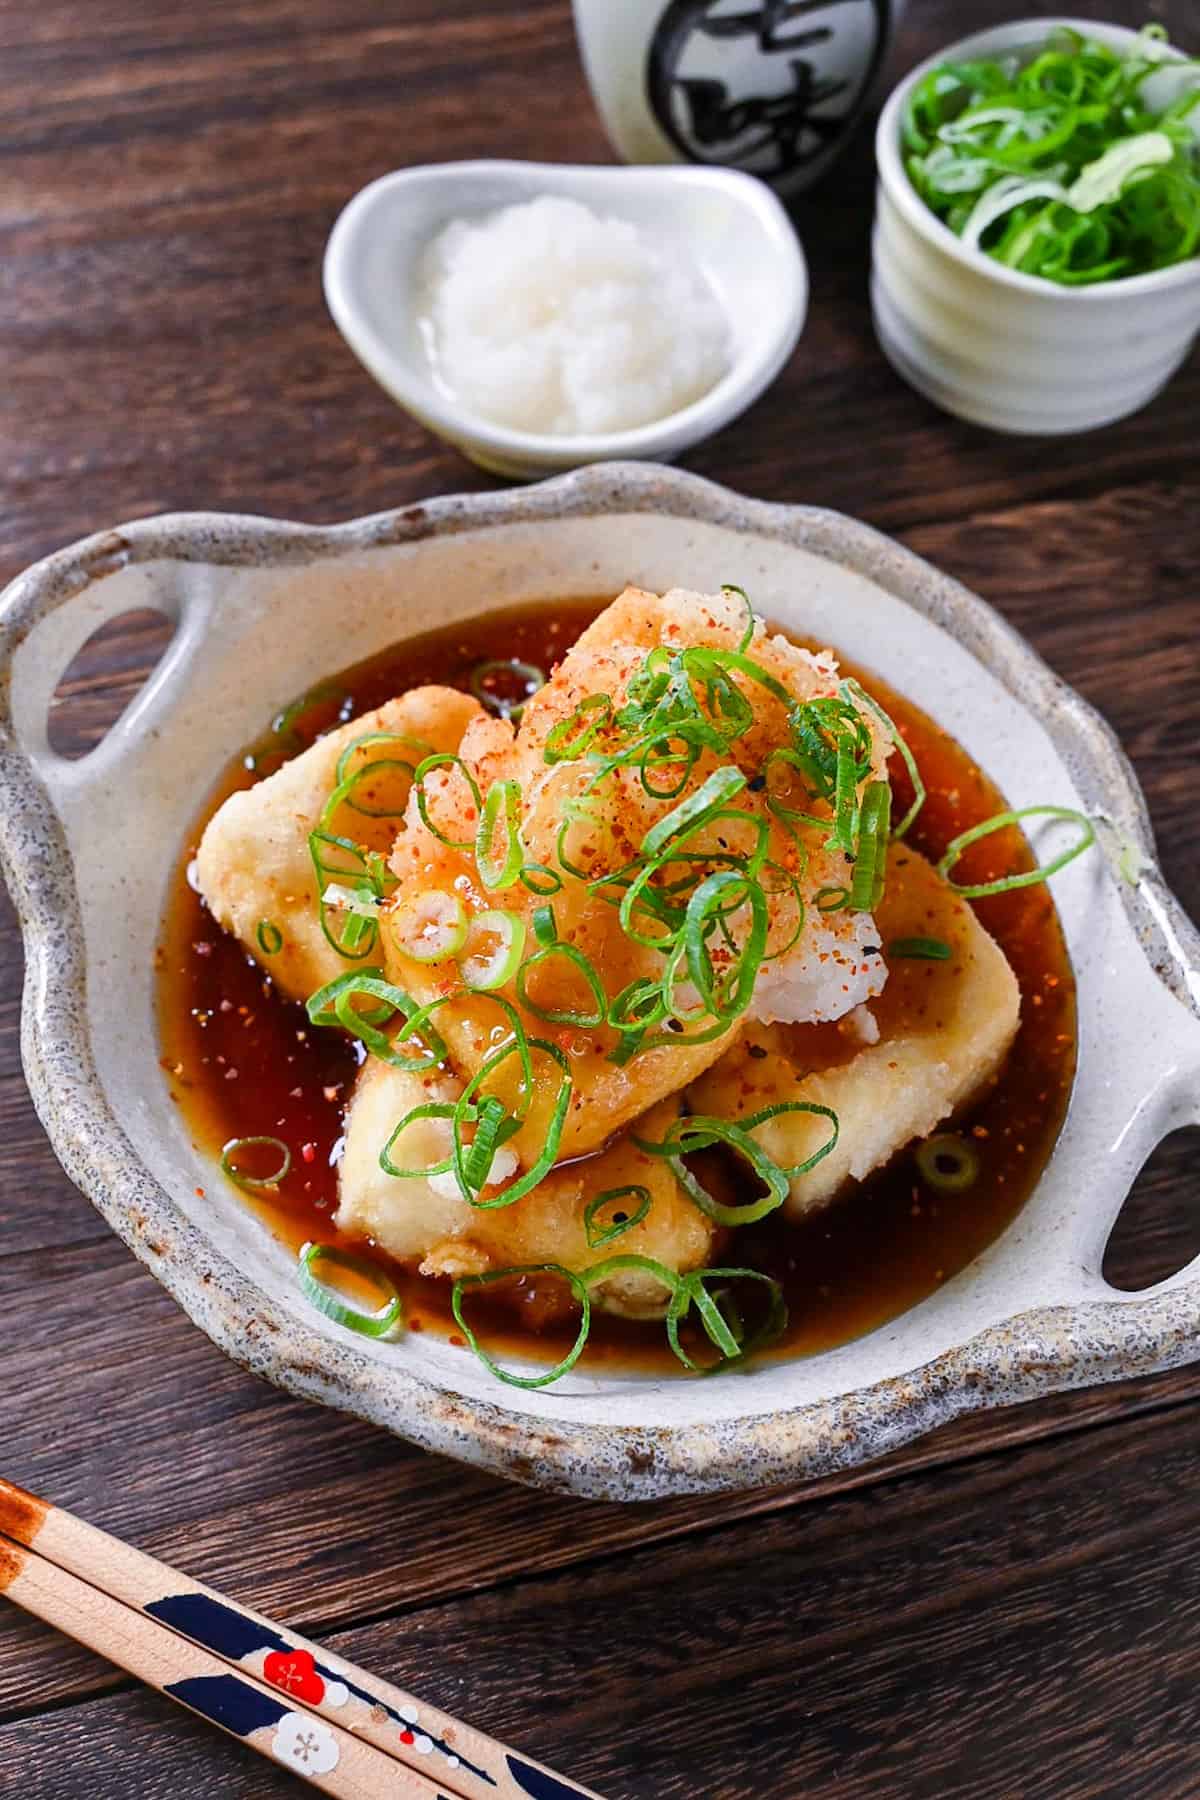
<point x="295" y="1671"/>
<point x="297" y="1739"/>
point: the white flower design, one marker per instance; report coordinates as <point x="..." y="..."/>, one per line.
<point x="305" y="1744"/>
<point x="422" y="1743"/>
<point x="336" y="1693"/>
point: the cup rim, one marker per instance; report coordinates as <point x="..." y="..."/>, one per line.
<point x="900" y="191"/>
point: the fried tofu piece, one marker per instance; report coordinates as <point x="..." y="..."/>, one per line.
<point x="253" y="863"/>
<point x="821" y="969"/>
<point x="891" y="1071"/>
<point x="424" y="1221"/>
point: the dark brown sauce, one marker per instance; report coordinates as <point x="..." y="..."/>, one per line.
<point x="242" y="1062"/>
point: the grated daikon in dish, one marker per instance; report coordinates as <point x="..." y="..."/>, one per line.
<point x="547" y="318"/>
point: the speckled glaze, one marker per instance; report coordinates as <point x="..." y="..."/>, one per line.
<point x="262" y="610"/>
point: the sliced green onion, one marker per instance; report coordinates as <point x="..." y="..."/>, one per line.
<point x="731" y="587"/>
<point x="358" y="934"/>
<point x="541" y="880"/>
<point x="374" y="1324"/>
<point x="268" y="937"/>
<point x="362" y="900"/>
<point x="429" y="1109"/>
<point x="901" y="744"/>
<point x="572" y="737"/>
<point x="431" y="926"/>
<point x="335" y="1004"/>
<point x="342" y="772"/>
<point x="920" y="949"/>
<point x="948" y="1162"/>
<point x="622" y="1219"/>
<point x="1075" y="168"/>
<point x="866" y="885"/>
<point x="726" y="998"/>
<point x="585" y="1019"/>
<point x="482" y="970"/>
<point x="709" y="798"/>
<point x="578" y="1287"/>
<point x="831" y="899"/>
<point x="237" y="1146"/>
<point x="501" y="818"/>
<point x="544" y="928"/>
<point x="513" y="670"/>
<point x="442" y="760"/>
<point x="728" y="1339"/>
<point x="684" y="1291"/>
<point x="700" y="1132"/>
<point x="1029" y="877"/>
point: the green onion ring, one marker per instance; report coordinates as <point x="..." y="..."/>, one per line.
<point x="430" y="926"/>
<point x="572" y="737"/>
<point x="255" y="1182"/>
<point x="578" y="1287"/>
<point x="483" y="973"/>
<point x="445" y="759"/>
<point x="501" y="808"/>
<point x="373" y="1325"/>
<point x="583" y="1021"/>
<point x="533" y="677"/>
<point x="598" y="1237"/>
<point x="1029" y="877"/>
<point x="906" y="755"/>
<point x="709" y="798"/>
<point x="268" y="937"/>
<point x="949" y="1146"/>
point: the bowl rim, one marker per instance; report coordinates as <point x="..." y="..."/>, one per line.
<point x="894" y="180"/>
<point x="1027" y="1355"/>
<point x="742" y="382"/>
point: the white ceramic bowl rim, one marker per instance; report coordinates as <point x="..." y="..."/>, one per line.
<point x="894" y="176"/>
<point x="740" y="384"/>
<point x="1095" y="1335"/>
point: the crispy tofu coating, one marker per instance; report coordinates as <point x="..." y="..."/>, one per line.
<point x="891" y="1071"/>
<point x="254" y="863"/>
<point x="588" y="831"/>
<point x="425" y="1221"/>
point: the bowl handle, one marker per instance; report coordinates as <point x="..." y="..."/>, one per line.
<point x="1164" y="1033"/>
<point x="41" y="632"/>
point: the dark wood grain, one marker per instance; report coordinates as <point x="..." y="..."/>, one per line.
<point x="1009" y="1608"/>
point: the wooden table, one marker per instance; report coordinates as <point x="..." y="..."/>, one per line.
<point x="1010" y="1608"/>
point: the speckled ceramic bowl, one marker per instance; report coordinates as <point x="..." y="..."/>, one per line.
<point x="262" y="609"/>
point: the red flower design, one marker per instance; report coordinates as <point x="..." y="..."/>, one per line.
<point x="296" y="1673"/>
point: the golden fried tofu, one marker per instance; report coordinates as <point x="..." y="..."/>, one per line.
<point x="424" y="1220"/>
<point x="254" y="863"/>
<point x="816" y="966"/>
<point x="891" y="1071"/>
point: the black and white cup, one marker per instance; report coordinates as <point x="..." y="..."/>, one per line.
<point x="770" y="86"/>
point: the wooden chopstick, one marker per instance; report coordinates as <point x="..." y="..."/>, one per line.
<point x="327" y="1756"/>
<point x="170" y="1631"/>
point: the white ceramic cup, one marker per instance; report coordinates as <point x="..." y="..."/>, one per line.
<point x="1004" y="349"/>
<point x="773" y="87"/>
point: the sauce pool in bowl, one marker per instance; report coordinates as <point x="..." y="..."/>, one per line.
<point x="242" y="1062"/>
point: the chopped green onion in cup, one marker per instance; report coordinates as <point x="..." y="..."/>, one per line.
<point x="1078" y="163"/>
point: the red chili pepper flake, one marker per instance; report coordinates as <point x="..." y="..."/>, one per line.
<point x="308" y="1152"/>
<point x="200" y="1193"/>
<point x="458" y="1342"/>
